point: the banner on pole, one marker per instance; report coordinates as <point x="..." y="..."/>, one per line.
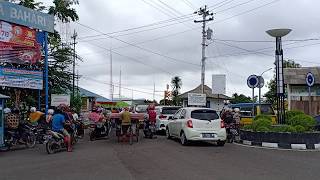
<point x="15" y="34"/>
<point x="20" y="78"/>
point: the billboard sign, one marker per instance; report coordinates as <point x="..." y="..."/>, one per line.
<point x="218" y="84"/>
<point x="195" y="99"/>
<point x="20" y="78"/>
<point x="21" y="15"/>
<point x="57" y="99"/>
<point x="11" y="53"/>
<point x="15" y="34"/>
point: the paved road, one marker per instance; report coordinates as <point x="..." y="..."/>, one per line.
<point x="158" y="159"/>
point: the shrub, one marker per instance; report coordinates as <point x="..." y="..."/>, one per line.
<point x="281" y="128"/>
<point x="261" y="116"/>
<point x="300" y="129"/>
<point x="291" y="129"/>
<point x="247" y="127"/>
<point x="263" y="129"/>
<point x="291" y="114"/>
<point x="308" y="122"/>
<point x="262" y="122"/>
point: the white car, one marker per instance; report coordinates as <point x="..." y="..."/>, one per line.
<point x="164" y="113"/>
<point x="197" y="124"/>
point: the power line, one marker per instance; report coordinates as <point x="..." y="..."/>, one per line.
<point x="189" y="4"/>
<point x="139" y="47"/>
<point x="237" y="5"/>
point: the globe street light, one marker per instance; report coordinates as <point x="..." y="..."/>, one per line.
<point x="261" y="83"/>
<point x="278" y="33"/>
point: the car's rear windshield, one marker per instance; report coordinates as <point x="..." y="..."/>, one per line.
<point x="170" y="110"/>
<point x="204" y="114"/>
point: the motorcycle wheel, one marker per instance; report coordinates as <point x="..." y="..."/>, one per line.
<point x="31" y="140"/>
<point x="5" y="148"/>
<point x="92" y="136"/>
<point x="50" y="146"/>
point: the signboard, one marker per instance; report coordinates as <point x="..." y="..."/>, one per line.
<point x="21" y="78"/>
<point x="57" y="99"/>
<point x="218" y="84"/>
<point x="310" y="79"/>
<point x="15" y="34"/>
<point x="195" y="99"/>
<point x="253" y="81"/>
<point x="17" y="14"/>
<point x="261" y="82"/>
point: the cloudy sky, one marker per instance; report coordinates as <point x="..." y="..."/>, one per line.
<point x="154" y="40"/>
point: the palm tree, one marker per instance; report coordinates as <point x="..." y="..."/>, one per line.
<point x="176" y="84"/>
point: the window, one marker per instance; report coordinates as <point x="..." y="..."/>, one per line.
<point x="170" y="110"/>
<point x="204" y="114"/>
<point x="183" y="114"/>
<point x="177" y="115"/>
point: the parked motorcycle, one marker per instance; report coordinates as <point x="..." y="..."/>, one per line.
<point x="232" y="132"/>
<point x="23" y="135"/>
<point x="149" y="129"/>
<point x="99" y="130"/>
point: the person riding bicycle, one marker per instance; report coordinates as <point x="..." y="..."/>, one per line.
<point x="58" y="123"/>
<point x="125" y="117"/>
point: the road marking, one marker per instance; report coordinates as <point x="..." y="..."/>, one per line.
<point x="278" y="149"/>
<point x="270" y="145"/>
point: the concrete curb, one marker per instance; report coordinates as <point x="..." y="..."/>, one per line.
<point x="280" y="145"/>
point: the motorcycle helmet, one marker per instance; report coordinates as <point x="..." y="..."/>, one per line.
<point x="33" y="109"/>
<point x="7" y="110"/>
<point x="50" y="111"/>
<point x="236" y="110"/>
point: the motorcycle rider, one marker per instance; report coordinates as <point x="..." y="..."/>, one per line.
<point x="35" y="116"/>
<point x="237" y="116"/>
<point x="58" y="123"/>
<point x="152" y="115"/>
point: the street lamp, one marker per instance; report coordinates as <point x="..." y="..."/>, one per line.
<point x="278" y="33"/>
<point x="261" y="83"/>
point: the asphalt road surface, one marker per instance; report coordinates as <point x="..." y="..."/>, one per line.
<point x="158" y="159"/>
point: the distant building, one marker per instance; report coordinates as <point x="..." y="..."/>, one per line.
<point x="89" y="99"/>
<point x="298" y="96"/>
<point x="215" y="101"/>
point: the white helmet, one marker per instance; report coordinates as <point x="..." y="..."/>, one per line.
<point x="33" y="109"/>
<point x="7" y="110"/>
<point x="236" y="110"/>
<point x="50" y="111"/>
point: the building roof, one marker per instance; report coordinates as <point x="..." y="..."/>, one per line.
<point x="298" y="75"/>
<point x="207" y="91"/>
<point x="89" y="94"/>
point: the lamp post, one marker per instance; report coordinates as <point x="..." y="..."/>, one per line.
<point x="278" y="33"/>
<point x="261" y="83"/>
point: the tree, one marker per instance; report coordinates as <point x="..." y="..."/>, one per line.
<point x="270" y="95"/>
<point x="176" y="84"/>
<point x="241" y="98"/>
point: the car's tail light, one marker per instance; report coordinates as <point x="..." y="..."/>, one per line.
<point x="162" y="116"/>
<point x="189" y="124"/>
<point x="222" y="124"/>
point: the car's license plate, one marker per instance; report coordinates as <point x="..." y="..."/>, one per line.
<point x="208" y="135"/>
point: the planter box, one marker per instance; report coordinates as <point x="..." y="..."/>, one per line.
<point x="281" y="137"/>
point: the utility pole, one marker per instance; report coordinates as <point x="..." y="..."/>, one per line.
<point x="78" y="81"/>
<point x="154" y="91"/>
<point x="74" y="37"/>
<point x="204" y="13"/>
<point x="111" y="81"/>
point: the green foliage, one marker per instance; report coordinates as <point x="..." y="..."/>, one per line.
<point x="76" y="102"/>
<point x="262" y="129"/>
<point x="176" y="84"/>
<point x="240" y="99"/>
<point x="280" y="128"/>
<point x="308" y="122"/>
<point x="291" y="129"/>
<point x="291" y="114"/>
<point x="247" y="127"/>
<point x="262" y="122"/>
<point x="261" y="116"/>
<point x="300" y="129"/>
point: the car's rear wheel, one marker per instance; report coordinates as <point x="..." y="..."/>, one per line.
<point x="168" y="133"/>
<point x="183" y="139"/>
